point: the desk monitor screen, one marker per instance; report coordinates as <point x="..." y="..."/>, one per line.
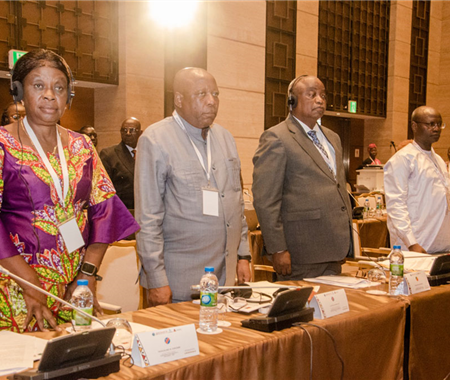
<point x="441" y="265"/>
<point x="289" y="301"/>
<point x="77" y="348"/>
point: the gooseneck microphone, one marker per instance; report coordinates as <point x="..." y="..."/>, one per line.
<point x="39" y="289"/>
<point x="197" y="287"/>
<point x="393" y="144"/>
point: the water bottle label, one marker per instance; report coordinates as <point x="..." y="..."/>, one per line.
<point x="397" y="270"/>
<point x="80" y="319"/>
<point x="208" y="299"/>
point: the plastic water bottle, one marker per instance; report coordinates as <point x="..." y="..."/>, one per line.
<point x="396" y="261"/>
<point x="379" y="212"/>
<point x="209" y="285"/>
<point x="366" y="209"/>
<point x="82" y="298"/>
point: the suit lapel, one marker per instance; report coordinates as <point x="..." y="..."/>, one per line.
<point x="299" y="135"/>
<point x="125" y="157"/>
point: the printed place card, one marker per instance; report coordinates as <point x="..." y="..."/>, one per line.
<point x="416" y="282"/>
<point x="161" y="346"/>
<point x="329" y="304"/>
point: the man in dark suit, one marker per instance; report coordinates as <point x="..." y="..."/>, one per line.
<point x="119" y="161"/>
<point x="299" y="189"/>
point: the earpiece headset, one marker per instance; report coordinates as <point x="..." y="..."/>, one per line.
<point x="292" y="98"/>
<point x="16" y="88"/>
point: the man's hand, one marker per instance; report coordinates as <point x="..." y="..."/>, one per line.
<point x="416" y="248"/>
<point x="158" y="296"/>
<point x="243" y="271"/>
<point x="282" y="263"/>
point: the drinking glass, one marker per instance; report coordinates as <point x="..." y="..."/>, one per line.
<point x="124" y="332"/>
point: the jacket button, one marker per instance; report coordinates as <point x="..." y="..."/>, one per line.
<point x="343" y="208"/>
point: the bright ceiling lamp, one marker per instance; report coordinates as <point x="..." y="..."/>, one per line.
<point x="173" y="13"/>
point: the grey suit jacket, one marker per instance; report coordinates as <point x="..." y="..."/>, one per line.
<point x="176" y="240"/>
<point x="119" y="164"/>
<point x="300" y="205"/>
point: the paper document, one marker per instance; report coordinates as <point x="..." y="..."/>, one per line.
<point x="343" y="281"/>
<point x="414" y="261"/>
<point x="18" y="351"/>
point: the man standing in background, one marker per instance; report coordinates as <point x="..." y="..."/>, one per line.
<point x="299" y="189"/>
<point x="119" y="160"/>
<point x="188" y="196"/>
<point x="417" y="189"/>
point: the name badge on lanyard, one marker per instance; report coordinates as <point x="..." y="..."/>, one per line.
<point x="210" y="195"/>
<point x="68" y="228"/>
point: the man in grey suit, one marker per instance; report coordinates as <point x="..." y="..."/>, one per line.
<point x="188" y="196"/>
<point x="119" y="160"/>
<point x="299" y="189"/>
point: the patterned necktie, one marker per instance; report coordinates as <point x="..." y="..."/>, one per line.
<point x="134" y="153"/>
<point x="322" y="150"/>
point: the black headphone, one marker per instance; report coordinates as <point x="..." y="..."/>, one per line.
<point x="16" y="87"/>
<point x="292" y="98"/>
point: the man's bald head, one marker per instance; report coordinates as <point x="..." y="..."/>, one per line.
<point x="422" y="112"/>
<point x="196" y="96"/>
<point x="426" y="123"/>
<point x="130" y="131"/>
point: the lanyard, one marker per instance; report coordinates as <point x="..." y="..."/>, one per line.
<point x="41" y="153"/>
<point x="435" y="164"/>
<point x="197" y="152"/>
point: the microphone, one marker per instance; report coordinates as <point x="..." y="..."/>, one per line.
<point x="39" y="289"/>
<point x="393" y="144"/>
<point x="197" y="287"/>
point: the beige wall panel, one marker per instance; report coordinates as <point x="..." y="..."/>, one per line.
<point x="305" y="65"/>
<point x="433" y="71"/>
<point x="243" y="21"/>
<point x="401" y="12"/>
<point x="433" y="96"/>
<point x="141" y="75"/>
<point x="144" y="100"/>
<point x="241" y="112"/>
<point x="236" y="65"/>
<point x="399" y="61"/>
<point x="436" y="9"/>
<point x="398" y="92"/>
<point x="382" y="132"/>
<point x="307" y="34"/>
<point x="246" y="149"/>
<point x="311" y="7"/>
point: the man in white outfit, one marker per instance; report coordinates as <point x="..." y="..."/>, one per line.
<point x="417" y="189"/>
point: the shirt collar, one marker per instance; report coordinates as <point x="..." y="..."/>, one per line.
<point x="194" y="132"/>
<point x="305" y="127"/>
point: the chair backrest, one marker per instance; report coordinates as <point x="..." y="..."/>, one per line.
<point x="120" y="271"/>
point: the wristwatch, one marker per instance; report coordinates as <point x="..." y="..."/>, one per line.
<point x="90" y="269"/>
<point x="248" y="258"/>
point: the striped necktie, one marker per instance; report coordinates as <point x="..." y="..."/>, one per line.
<point x="322" y="150"/>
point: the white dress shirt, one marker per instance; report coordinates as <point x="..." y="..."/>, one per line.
<point x="416" y="183"/>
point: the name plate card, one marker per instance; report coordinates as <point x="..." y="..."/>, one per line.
<point x="161" y="346"/>
<point x="416" y="282"/>
<point x="329" y="304"/>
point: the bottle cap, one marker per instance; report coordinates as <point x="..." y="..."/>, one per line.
<point x="82" y="282"/>
<point x="397" y="247"/>
<point x="209" y="269"/>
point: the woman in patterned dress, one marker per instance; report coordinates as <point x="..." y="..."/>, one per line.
<point x="40" y="197"/>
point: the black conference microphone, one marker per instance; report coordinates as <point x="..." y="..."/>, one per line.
<point x="393" y="144"/>
<point x="39" y="289"/>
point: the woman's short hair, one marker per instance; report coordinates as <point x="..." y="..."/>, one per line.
<point x="38" y="58"/>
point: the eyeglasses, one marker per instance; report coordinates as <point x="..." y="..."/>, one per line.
<point x="431" y="126"/>
<point x="131" y="130"/>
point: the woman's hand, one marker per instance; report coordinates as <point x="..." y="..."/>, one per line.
<point x="92" y="285"/>
<point x="37" y="306"/>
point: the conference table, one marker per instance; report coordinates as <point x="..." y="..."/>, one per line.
<point x="380" y="337"/>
